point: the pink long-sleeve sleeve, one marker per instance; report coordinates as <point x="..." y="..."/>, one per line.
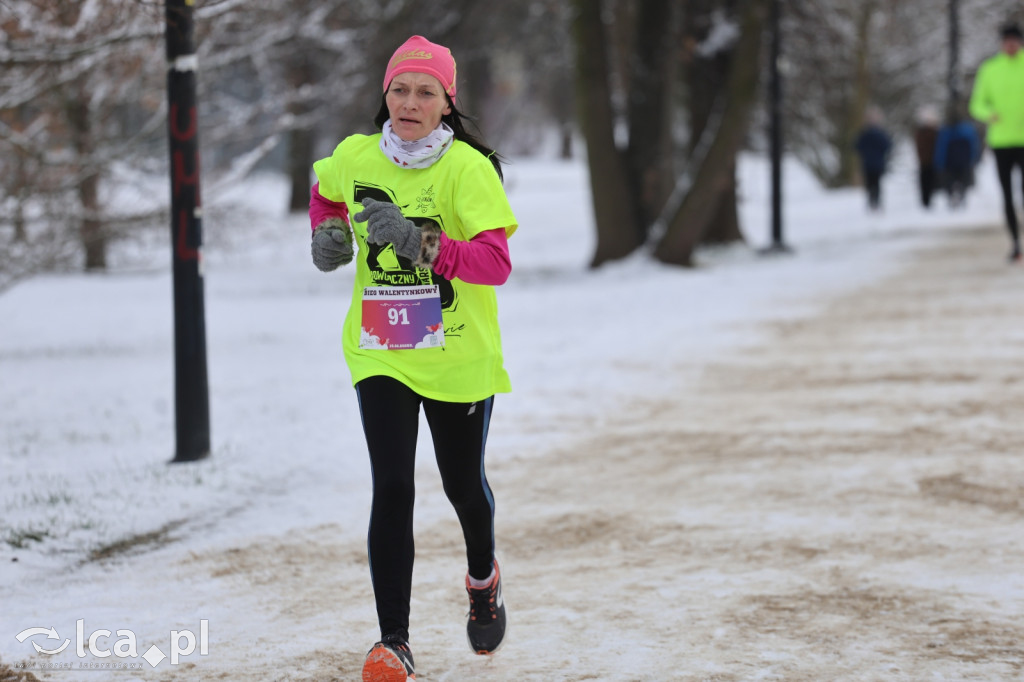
<point x="482" y="260"/>
<point x="321" y="210"/>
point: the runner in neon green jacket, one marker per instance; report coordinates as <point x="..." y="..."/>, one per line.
<point x="998" y="97"/>
<point x="998" y="101"/>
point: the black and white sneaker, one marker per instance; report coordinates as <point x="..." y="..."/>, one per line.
<point x="390" y="660"/>
<point x="485" y="626"/>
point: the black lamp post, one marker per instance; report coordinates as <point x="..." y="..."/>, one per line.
<point x="778" y="245"/>
<point x="192" y="403"/>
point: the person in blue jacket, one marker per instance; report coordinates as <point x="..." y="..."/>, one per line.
<point x="957" y="151"/>
<point x="873" y="144"/>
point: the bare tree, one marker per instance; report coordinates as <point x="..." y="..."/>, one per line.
<point x="652" y="62"/>
<point x="710" y="37"/>
<point x="618" y="223"/>
<point x="712" y="190"/>
<point x="637" y="196"/>
<point x="70" y="74"/>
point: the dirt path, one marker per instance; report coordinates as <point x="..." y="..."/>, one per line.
<point x="843" y="502"/>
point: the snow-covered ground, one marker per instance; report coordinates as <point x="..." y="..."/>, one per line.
<point x="261" y="546"/>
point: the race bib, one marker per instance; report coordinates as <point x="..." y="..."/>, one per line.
<point x="401" y="318"/>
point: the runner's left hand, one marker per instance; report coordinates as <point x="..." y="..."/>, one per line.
<point x="386" y="224"/>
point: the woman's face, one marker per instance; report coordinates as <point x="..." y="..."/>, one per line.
<point x="416" y="102"/>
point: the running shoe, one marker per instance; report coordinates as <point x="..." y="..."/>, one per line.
<point x="390" y="660"/>
<point x="485" y="626"/>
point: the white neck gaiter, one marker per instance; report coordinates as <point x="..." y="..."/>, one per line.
<point x="416" y="153"/>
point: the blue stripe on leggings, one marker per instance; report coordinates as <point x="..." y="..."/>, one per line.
<point x="483" y="477"/>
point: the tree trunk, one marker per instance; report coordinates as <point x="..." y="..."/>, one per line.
<point x="849" y="168"/>
<point x="20" y="192"/>
<point x="476" y="96"/>
<point x="692" y="221"/>
<point x="615" y="216"/>
<point x="565" y="145"/>
<point x="90" y="231"/>
<point x="300" y="160"/>
<point x="562" y="107"/>
<point x="706" y="76"/>
<point x="650" y="143"/>
<point x="93" y="235"/>
<point x="300" y="137"/>
<point x="725" y="225"/>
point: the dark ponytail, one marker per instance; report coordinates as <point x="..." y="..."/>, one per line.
<point x="456" y="121"/>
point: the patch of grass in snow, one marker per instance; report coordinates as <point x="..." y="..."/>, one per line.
<point x="20" y="539"/>
<point x="62" y="512"/>
<point x="134" y="544"/>
<point x="51" y="497"/>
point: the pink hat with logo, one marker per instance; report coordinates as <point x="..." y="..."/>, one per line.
<point x="419" y="55"/>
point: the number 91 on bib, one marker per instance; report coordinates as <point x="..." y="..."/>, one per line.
<point x="401" y="318"/>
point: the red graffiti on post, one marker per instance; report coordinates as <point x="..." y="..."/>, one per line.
<point x="182" y="179"/>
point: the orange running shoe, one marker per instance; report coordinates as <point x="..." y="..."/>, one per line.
<point x="390" y="660"/>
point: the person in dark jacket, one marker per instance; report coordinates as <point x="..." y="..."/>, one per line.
<point x="873" y="145"/>
<point x="926" y="134"/>
<point x="957" y="152"/>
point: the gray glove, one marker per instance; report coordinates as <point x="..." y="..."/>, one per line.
<point x="332" y="245"/>
<point x="386" y="224"/>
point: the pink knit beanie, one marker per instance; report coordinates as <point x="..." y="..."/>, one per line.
<point x="419" y="55"/>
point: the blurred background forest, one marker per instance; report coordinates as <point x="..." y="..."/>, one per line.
<point x="659" y="96"/>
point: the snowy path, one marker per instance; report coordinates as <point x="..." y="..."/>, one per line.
<point x="840" y="502"/>
<point x="843" y="503"/>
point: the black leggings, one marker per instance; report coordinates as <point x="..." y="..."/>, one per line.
<point x="1006" y="159"/>
<point x="390" y="414"/>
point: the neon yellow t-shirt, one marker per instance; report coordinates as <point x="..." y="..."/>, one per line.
<point x="999" y="91"/>
<point x="462" y="193"/>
